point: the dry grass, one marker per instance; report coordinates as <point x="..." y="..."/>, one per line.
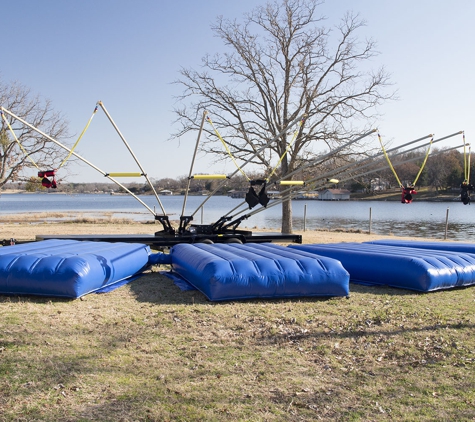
<point x="89" y="220"/>
<point x="29" y="217"/>
<point x="67" y="217"/>
<point x="344" y="230"/>
<point x="150" y="352"/>
<point x="25" y="227"/>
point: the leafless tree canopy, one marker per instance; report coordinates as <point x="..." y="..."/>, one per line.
<point x="282" y="62"/>
<point x="13" y="161"/>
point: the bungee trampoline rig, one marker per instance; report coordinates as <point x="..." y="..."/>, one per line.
<point x="226" y="228"/>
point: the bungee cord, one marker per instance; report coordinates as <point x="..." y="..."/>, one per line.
<point x="252" y="156"/>
<point x="288" y="194"/>
<point x="327" y="180"/>
<point x="80" y="136"/>
<point x="291" y="183"/>
<point x="16" y="139"/>
<point x="56" y="142"/>
<point x="252" y="197"/>
<point x="46" y="182"/>
<point x="409" y="189"/>
<point x="466" y="187"/>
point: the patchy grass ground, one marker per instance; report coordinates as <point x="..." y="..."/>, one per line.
<point x="150" y="352"/>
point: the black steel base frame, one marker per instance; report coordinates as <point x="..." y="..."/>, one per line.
<point x="164" y="240"/>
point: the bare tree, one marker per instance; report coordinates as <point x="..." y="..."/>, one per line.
<point x="282" y="62"/>
<point x="35" y="151"/>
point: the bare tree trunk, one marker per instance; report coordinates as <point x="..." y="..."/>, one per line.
<point x="287" y="216"/>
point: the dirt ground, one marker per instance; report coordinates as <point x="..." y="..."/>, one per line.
<point x="23" y="229"/>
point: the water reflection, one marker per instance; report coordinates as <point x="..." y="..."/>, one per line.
<point x="435" y="230"/>
<point x="419" y="219"/>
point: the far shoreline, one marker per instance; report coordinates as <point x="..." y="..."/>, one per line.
<point x="389" y="197"/>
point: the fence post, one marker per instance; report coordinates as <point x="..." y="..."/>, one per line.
<point x="370" y="220"/>
<point x="305" y="217"/>
<point x="446" y="223"/>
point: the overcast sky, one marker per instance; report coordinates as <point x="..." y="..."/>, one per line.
<point x="127" y="54"/>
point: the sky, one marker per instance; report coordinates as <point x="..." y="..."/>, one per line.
<point x="128" y="54"/>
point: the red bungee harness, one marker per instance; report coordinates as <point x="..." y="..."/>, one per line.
<point x="47" y="183"/>
<point x="406" y="195"/>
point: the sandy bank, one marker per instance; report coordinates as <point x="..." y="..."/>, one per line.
<point x="26" y="230"/>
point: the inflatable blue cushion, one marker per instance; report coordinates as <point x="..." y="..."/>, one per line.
<point x="68" y="268"/>
<point x="408" y="268"/>
<point x="235" y="271"/>
<point x="443" y="246"/>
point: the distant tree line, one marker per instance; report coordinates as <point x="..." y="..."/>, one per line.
<point x="443" y="171"/>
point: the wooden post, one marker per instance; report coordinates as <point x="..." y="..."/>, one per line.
<point x="305" y="217"/>
<point x="446" y="223"/>
<point x="370" y="222"/>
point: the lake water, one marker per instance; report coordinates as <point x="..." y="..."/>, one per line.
<point x="419" y="219"/>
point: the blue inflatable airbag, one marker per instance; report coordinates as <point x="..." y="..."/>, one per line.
<point x="408" y="268"/>
<point x="159" y="258"/>
<point x="235" y="271"/>
<point x="68" y="268"/>
<point x="442" y="246"/>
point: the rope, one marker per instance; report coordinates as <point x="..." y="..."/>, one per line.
<point x="80" y="136"/>
<point x="424" y="162"/>
<point x="280" y="159"/>
<point x="18" y="142"/>
<point x="394" y="171"/>
<point x="71" y="150"/>
<point x="389" y="161"/>
<point x="466" y="160"/>
<point x="468" y="164"/>
<point x="226" y="147"/>
<point x="288" y="147"/>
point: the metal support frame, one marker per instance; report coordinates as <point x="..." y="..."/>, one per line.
<point x="185" y="220"/>
<point x="164" y="240"/>
<point x="165" y="222"/>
